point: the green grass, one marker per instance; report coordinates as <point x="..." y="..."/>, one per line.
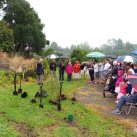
<point x="20" y="118"/>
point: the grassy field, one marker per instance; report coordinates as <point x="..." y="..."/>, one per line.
<point x="20" y="118"/>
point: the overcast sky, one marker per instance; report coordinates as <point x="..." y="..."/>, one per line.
<point x="94" y="21"/>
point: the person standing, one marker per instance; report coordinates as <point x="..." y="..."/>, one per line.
<point x="90" y="67"/>
<point x="40" y="71"/>
<point x="52" y="68"/>
<point x="69" y="70"/>
<point x="76" y="70"/>
<point x="100" y="70"/>
<point x="61" y="70"/>
<point x="96" y="71"/>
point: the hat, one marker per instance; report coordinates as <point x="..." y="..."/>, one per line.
<point x="115" y="62"/>
<point x="41" y="60"/>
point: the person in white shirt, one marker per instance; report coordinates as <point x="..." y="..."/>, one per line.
<point x="129" y="71"/>
<point x="95" y="71"/>
<point x="107" y="64"/>
<point x="107" y="69"/>
<point x="100" y="71"/>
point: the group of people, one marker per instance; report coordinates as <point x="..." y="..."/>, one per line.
<point x="69" y="69"/>
<point x="97" y="70"/>
<point x="115" y="77"/>
<point x="118" y="84"/>
<point x="113" y="74"/>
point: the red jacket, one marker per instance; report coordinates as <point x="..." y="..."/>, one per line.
<point x="76" y="68"/>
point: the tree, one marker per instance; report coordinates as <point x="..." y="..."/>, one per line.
<point x="117" y="47"/>
<point x="129" y="47"/>
<point x="78" y="54"/>
<point x="6" y="37"/>
<point x="47" y="52"/>
<point x="54" y="46"/>
<point x="26" y="25"/>
<point x="83" y="46"/>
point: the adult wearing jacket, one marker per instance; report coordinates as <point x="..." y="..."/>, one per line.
<point x="52" y="68"/>
<point x="69" y="70"/>
<point x="40" y="71"/>
<point x="76" y="70"/>
<point x="90" y="67"/>
<point x="61" y="70"/>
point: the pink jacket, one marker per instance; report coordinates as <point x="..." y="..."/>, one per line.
<point x="69" y="69"/>
<point x="120" y="78"/>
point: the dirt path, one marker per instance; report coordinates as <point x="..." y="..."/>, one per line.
<point x="92" y="97"/>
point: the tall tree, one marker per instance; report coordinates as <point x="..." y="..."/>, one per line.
<point x="117" y="47"/>
<point x="26" y="25"/>
<point x="54" y="46"/>
<point x="6" y="37"/>
<point x="78" y="54"/>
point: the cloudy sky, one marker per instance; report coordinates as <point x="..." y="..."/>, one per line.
<point x="94" y="21"/>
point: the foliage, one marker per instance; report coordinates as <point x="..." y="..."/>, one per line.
<point x="78" y="54"/>
<point x="6" y="78"/>
<point x="46" y="68"/>
<point x="113" y="45"/>
<point x="26" y="25"/>
<point x="83" y="46"/>
<point x="117" y="47"/>
<point x="6" y="37"/>
<point x="47" y="52"/>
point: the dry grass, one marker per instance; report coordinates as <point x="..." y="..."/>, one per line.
<point x="18" y="63"/>
<point x="4" y="58"/>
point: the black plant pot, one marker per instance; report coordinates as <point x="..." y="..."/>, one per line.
<point x="33" y="100"/>
<point x="19" y="90"/>
<point x="24" y="95"/>
<point x="41" y="105"/>
<point x="15" y="93"/>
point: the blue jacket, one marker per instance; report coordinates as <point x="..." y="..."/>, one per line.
<point x="39" y="69"/>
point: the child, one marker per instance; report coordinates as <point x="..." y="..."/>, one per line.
<point x="123" y="86"/>
<point x="119" y="79"/>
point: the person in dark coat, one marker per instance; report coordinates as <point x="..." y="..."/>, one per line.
<point x="52" y="68"/>
<point x="40" y="71"/>
<point x="61" y="70"/>
<point x="90" y="67"/>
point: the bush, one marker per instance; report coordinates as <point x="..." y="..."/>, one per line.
<point x="6" y="78"/>
<point x="46" y="69"/>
